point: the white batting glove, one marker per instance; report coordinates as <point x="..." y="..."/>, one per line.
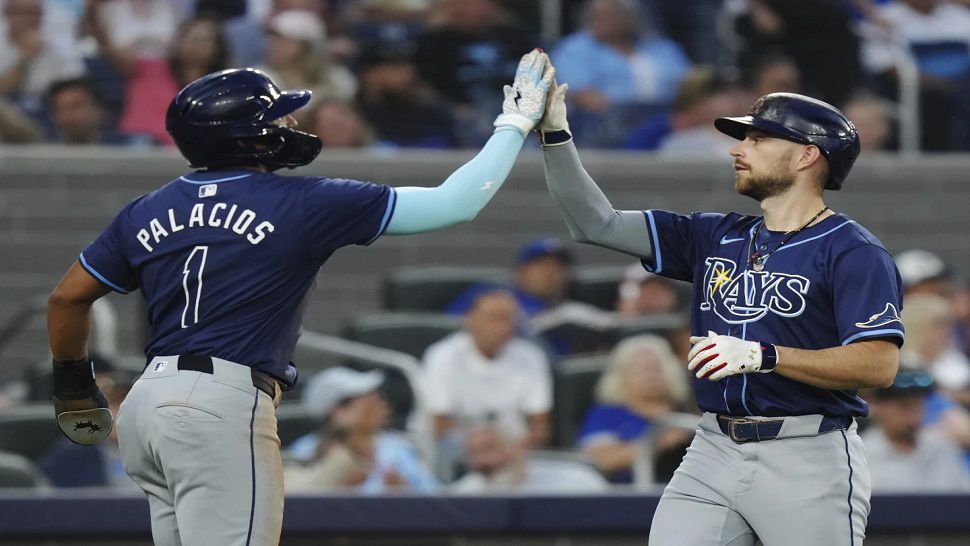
<point x="525" y="99"/>
<point x="555" y="116"/>
<point x="715" y="357"/>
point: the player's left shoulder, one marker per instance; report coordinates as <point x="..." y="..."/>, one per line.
<point x="845" y="234"/>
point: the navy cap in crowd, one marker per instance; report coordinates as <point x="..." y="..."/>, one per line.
<point x="539" y="248"/>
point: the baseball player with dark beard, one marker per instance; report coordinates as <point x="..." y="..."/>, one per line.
<point x="792" y="312"/>
<point x="225" y="257"/>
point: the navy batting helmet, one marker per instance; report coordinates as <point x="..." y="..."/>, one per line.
<point x="227" y="119"/>
<point x="804" y="120"/>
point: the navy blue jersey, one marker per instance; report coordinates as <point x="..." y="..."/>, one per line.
<point x="225" y="259"/>
<point x="830" y="285"/>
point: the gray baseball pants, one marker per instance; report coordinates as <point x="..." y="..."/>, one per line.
<point x="801" y="489"/>
<point x="204" y="448"/>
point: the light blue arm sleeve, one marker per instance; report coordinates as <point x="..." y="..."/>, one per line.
<point x="463" y="195"/>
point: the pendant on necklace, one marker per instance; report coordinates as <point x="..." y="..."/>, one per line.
<point x="758" y="263"/>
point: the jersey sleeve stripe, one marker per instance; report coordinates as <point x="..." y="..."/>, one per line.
<point x="391" y="203"/>
<point x="94" y="273"/>
<point x="892" y="332"/>
<point x="654" y="243"/>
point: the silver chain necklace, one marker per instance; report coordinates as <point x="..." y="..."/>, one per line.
<point x="756" y="260"/>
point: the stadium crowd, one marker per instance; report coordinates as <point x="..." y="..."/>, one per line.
<point x="644" y="74"/>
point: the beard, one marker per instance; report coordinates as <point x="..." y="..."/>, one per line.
<point x="762" y="185"/>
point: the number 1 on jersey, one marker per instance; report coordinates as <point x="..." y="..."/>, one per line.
<point x="192" y="284"/>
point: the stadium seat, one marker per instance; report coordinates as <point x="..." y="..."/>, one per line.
<point x="17" y="471"/>
<point x="29" y="430"/>
<point x="409" y="333"/>
<point x="597" y="285"/>
<point x="574" y="379"/>
<point x="294" y="421"/>
<point x="433" y="288"/>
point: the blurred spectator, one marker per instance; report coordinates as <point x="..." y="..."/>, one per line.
<point x="873" y="118"/>
<point x="905" y="457"/>
<point x="297" y="58"/>
<point x="923" y="272"/>
<point x="16" y="127"/>
<point x="387" y="21"/>
<point x="692" y="24"/>
<point x="353" y="448"/>
<point x="402" y="109"/>
<point x="470" y="50"/>
<point x="772" y="73"/>
<point x="618" y="59"/>
<point x="340" y="125"/>
<point x="78" y="115"/>
<point x="702" y="97"/>
<point x="541" y="279"/>
<point x="499" y="463"/>
<point x="541" y="285"/>
<point x="484" y="374"/>
<point x="34" y="53"/>
<point x="643" y="293"/>
<point x="934" y="34"/>
<point x="643" y="383"/>
<point x="99" y="465"/>
<point x="929" y="324"/>
<point x="157" y="57"/>
<point x="817" y="35"/>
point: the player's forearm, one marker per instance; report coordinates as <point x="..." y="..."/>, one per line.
<point x="587" y="212"/>
<point x="867" y="364"/>
<point x="68" y="327"/>
<point x="463" y="195"/>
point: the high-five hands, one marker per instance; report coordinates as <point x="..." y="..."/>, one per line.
<point x="525" y="99"/>
<point x="715" y="357"/>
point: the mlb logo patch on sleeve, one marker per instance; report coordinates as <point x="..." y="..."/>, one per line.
<point x="208" y="190"/>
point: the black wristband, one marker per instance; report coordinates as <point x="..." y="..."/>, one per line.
<point x="769" y="357"/>
<point x="74" y="379"/>
<point x="552" y="138"/>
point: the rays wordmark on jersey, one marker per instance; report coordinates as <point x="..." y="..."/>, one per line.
<point x="747" y="296"/>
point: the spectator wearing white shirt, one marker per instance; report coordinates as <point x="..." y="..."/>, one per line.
<point x="34" y="52"/>
<point x="904" y="456"/>
<point x="483" y="374"/>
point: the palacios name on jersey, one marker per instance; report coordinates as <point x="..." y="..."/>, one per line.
<point x="748" y="296"/>
<point x="214" y="215"/>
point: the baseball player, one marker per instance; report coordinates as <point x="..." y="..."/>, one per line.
<point x="792" y="312"/>
<point x="225" y="257"/>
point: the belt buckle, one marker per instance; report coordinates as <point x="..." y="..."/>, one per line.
<point x="733" y="422"/>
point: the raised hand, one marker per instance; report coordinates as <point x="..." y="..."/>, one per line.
<point x="525" y="99"/>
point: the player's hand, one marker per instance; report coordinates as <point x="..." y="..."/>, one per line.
<point x="715" y="357"/>
<point x="80" y="407"/>
<point x="525" y="99"/>
<point x="555" y="117"/>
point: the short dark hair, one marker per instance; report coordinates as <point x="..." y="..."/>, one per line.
<point x="60" y="86"/>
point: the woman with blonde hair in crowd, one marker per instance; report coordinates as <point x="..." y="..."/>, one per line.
<point x="643" y="383"/>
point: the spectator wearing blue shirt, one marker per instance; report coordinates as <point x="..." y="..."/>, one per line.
<point x="643" y="383"/>
<point x="615" y="60"/>
<point x="353" y="449"/>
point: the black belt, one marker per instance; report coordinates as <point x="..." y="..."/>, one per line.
<point x="261" y="380"/>
<point x="744" y="429"/>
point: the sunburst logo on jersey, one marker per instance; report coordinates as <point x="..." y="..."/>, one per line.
<point x="721" y="277"/>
